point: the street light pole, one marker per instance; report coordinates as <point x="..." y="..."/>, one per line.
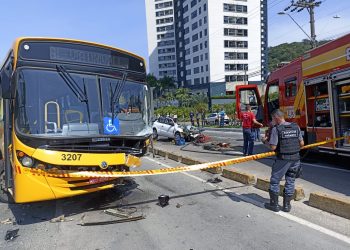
<point x="310" y="6"/>
<point x="284" y="13"/>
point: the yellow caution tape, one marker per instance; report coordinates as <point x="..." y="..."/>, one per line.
<point x="111" y="174"/>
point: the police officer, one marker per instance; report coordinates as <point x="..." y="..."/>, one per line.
<point x="286" y="140"/>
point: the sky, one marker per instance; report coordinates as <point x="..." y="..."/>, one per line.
<point x="122" y="23"/>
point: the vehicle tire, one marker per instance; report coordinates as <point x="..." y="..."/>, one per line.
<point x="5" y="197"/>
<point x="155" y="134"/>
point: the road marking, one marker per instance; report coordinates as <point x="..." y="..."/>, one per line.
<point x="329" y="168"/>
<point x="288" y="216"/>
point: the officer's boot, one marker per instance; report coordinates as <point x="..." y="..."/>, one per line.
<point x="273" y="205"/>
<point x="286" y="202"/>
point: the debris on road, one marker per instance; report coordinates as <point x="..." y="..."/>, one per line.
<point x="214" y="180"/>
<point x="248" y="215"/>
<point x="178" y="205"/>
<point x="7" y="221"/>
<point x="163" y="200"/>
<point x="116" y="213"/>
<point x="11" y="234"/>
<point x="60" y="218"/>
<point x="99" y="223"/>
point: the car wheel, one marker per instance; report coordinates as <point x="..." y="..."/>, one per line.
<point x="155" y="134"/>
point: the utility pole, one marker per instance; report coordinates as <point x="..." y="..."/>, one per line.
<point x="310" y="6"/>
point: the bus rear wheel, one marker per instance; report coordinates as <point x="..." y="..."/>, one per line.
<point x="5" y="196"/>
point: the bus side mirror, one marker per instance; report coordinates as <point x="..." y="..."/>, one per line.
<point x="5" y="82"/>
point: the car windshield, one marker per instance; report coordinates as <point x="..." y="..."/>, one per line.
<point x="46" y="105"/>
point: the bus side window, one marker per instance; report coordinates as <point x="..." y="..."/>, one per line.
<point x="291" y="87"/>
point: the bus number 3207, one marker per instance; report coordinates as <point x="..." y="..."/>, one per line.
<point x="70" y="157"/>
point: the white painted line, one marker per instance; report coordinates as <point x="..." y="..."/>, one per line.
<point x="259" y="204"/>
<point x="330" y="168"/>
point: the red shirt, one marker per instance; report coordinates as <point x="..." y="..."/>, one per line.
<point x="247" y="119"/>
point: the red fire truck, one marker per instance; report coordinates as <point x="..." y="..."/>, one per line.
<point x="313" y="91"/>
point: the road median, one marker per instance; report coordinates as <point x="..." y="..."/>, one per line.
<point x="330" y="203"/>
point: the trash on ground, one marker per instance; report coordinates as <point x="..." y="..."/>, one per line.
<point x="178" y="205"/>
<point x="11" y="234"/>
<point x="7" y="221"/>
<point x="116" y="213"/>
<point x="163" y="200"/>
<point x="248" y="215"/>
<point x="214" y="180"/>
<point x="60" y="218"/>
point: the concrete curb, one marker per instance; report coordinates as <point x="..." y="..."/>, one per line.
<point x="333" y="204"/>
<point x="264" y="184"/>
<point x="239" y="176"/>
<point x="184" y="160"/>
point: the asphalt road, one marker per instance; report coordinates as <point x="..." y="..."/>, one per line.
<point x="200" y="215"/>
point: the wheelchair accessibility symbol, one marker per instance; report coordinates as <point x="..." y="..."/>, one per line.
<point x="109" y="127"/>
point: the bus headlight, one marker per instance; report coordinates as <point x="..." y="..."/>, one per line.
<point x="27" y="161"/>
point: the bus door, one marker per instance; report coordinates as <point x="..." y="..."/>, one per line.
<point x="249" y="95"/>
<point x="340" y="85"/>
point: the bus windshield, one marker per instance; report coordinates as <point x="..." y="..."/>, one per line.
<point x="47" y="105"/>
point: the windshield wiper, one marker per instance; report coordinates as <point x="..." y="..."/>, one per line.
<point x="81" y="94"/>
<point x="115" y="94"/>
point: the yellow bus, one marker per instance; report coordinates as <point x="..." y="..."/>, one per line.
<point x="69" y="105"/>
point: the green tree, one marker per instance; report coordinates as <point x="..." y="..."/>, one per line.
<point x="183" y="96"/>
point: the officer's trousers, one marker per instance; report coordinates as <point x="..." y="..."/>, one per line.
<point x="285" y="168"/>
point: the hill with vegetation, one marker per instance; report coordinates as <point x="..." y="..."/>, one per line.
<point x="287" y="52"/>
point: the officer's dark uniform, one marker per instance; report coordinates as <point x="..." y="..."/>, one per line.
<point x="286" y="137"/>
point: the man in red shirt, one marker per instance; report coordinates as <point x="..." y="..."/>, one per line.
<point x="248" y="120"/>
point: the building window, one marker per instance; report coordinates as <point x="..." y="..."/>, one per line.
<point x="166" y="58"/>
<point x="185" y="8"/>
<point x="235" y="8"/>
<point x="197" y="81"/>
<point x="187" y="30"/>
<point x="196" y="70"/>
<point x="187" y="51"/>
<point x="187" y="41"/>
<point x="194" y="37"/>
<point x="186" y="20"/>
<point x="207" y="67"/>
<point x="188" y="72"/>
<point x="196" y="59"/>
<point x="235" y="32"/>
<point x="206" y="32"/>
<point x="291" y="87"/>
<point x="188" y="62"/>
<point x="235" y="44"/>
<point x="165" y="28"/>
<point x="194" y="14"/>
<point x="199" y="10"/>
<point x="164" y="13"/>
<point x="205" y="19"/>
<point x="165" y="20"/>
<point x="235" y="20"/>
<point x="236" y="55"/>
<point x="236" y="78"/>
<point x="164" y="5"/>
<point x="166" y="43"/>
<point x="236" y="67"/>
<point x="193" y="3"/>
<point x="194" y="26"/>
<point x="167" y="50"/>
<point x="205" y="44"/>
<point x="205" y="7"/>
<point x="167" y="65"/>
<point x="166" y="35"/>
<point x="195" y="48"/>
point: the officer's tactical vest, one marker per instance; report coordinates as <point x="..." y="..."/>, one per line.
<point x="288" y="141"/>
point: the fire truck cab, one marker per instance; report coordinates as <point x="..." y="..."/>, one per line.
<point x="314" y="92"/>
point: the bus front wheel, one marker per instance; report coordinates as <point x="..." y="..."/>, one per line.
<point x="5" y="196"/>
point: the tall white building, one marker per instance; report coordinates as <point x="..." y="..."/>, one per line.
<point x="208" y="41"/>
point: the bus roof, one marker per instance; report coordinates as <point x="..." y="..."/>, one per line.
<point x="20" y="39"/>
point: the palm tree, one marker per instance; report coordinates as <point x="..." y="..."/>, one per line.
<point x="183" y="96"/>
